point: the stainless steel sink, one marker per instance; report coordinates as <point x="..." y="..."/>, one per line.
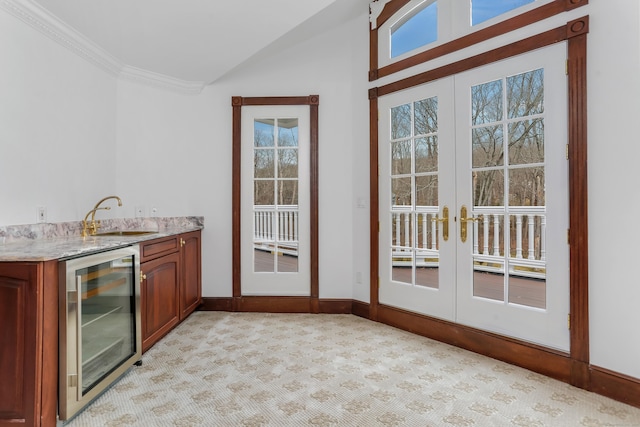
<point x="125" y="233"/>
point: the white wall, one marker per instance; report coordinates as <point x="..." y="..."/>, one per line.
<point x="58" y="148"/>
<point x="614" y="147"/>
<point x="174" y="152"/>
<point x="174" y="155"/>
<point x="334" y="66"/>
<point x="57" y="128"/>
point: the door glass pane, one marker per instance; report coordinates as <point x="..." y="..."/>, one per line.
<point x="509" y="190"/>
<point x="486" y="103"/>
<point x="263" y="164"/>
<point x="401" y="191"/>
<point x="402" y="243"/>
<point x="414" y="193"/>
<point x="287" y="192"/>
<point x="287" y="163"/>
<point x="426" y="155"/>
<point x="287" y="132"/>
<point x="401" y="158"/>
<point x="426" y="116"/>
<point x="526" y="142"/>
<point x="525" y="94"/>
<point x="276" y="200"/>
<point x="401" y="121"/>
<point x="263" y="132"/>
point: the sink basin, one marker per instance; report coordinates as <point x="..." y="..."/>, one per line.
<point x="125" y="233"/>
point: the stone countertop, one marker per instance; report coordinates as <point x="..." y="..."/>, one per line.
<point x="63" y="240"/>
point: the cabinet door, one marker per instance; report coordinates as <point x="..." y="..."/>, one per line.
<point x="19" y="345"/>
<point x="191" y="287"/>
<point x="160" y="293"/>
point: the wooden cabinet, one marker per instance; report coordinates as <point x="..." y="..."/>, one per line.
<point x="29" y="321"/>
<point x="28" y="343"/>
<point x="191" y="287"/>
<point x="171" y="283"/>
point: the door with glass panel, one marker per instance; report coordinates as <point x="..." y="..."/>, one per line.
<point x="417" y="200"/>
<point x="502" y="195"/>
<point x="275" y="201"/>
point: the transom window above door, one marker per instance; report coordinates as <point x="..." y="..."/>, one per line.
<point x="422" y="24"/>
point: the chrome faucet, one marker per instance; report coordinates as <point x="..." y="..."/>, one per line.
<point x="91" y="228"/>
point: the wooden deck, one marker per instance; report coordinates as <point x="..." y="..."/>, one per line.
<point x="524" y="291"/>
<point x="264" y="262"/>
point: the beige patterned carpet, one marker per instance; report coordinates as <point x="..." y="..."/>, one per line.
<point x="251" y="369"/>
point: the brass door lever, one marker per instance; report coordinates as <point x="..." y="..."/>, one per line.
<point x="445" y="223"/>
<point x="463" y="223"/>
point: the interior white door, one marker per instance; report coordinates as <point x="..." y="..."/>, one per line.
<point x="490" y="145"/>
<point x="275" y="216"/>
<point x="417" y="190"/>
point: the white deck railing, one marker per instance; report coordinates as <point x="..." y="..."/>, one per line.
<point x="526" y="234"/>
<point x="276" y="227"/>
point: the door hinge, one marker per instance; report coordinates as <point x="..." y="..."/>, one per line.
<point x="72" y="380"/>
<point x="568" y="321"/>
<point x="378" y="226"/>
<point x="566" y="67"/>
<point x="567" y="151"/>
<point x="568" y="236"/>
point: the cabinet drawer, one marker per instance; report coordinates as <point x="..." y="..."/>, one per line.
<point x="152" y="249"/>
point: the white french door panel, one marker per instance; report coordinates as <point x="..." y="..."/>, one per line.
<point x="546" y="325"/>
<point x="278" y="233"/>
<point x="417" y="266"/>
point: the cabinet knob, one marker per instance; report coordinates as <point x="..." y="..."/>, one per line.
<point x="143" y="276"/>
<point x="182" y="242"/>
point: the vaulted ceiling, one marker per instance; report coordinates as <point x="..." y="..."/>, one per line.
<point x="196" y="40"/>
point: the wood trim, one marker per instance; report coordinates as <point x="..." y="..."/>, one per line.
<point x="545" y="361"/>
<point x="374" y="222"/>
<point x="237" y="102"/>
<point x="620" y="387"/>
<point x="49" y="408"/>
<point x="275" y="304"/>
<point x="314" y="205"/>
<point x="535" y="15"/>
<point x="578" y="206"/>
<point x="522" y="46"/>
<point x="359" y="308"/>
<point x="216" y="304"/>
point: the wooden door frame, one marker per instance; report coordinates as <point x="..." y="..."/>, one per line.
<point x="572" y="367"/>
<point x="309" y="304"/>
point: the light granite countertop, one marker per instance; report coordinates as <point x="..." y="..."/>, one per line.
<point x="44" y="242"/>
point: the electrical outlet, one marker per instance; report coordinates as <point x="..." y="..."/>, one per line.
<point x="42" y="214"/>
<point x="140" y="212"/>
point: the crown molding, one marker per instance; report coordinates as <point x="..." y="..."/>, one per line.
<point x="51" y="26"/>
<point x="160" y="80"/>
<point x="40" y="19"/>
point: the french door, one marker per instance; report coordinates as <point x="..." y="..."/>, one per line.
<point x="275" y="197"/>
<point x="474" y="198"/>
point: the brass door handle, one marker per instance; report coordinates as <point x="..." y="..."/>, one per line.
<point x="143" y="276"/>
<point x="463" y="223"/>
<point x="445" y="223"/>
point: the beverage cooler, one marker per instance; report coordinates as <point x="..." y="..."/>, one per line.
<point x="99" y="324"/>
